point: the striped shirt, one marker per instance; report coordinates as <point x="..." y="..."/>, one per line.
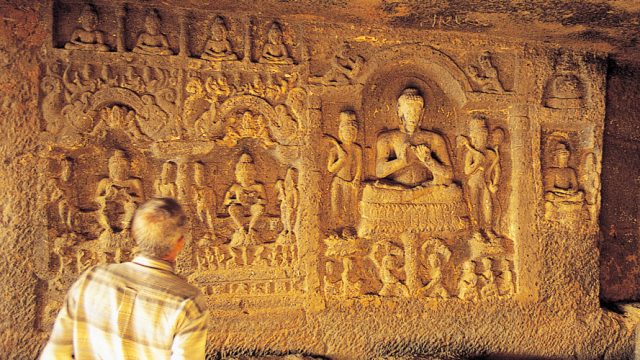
<point x="134" y="310"/>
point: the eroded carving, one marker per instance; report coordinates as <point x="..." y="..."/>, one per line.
<point x="345" y="67"/>
<point x="218" y="47"/>
<point x="274" y="50"/>
<point x="468" y="283"/>
<point x="60" y="189"/>
<point x="204" y="197"/>
<point x="562" y="193"/>
<point x="288" y="196"/>
<point x="565" y="89"/>
<point x="345" y="163"/>
<point x="388" y="259"/>
<point x="245" y="201"/>
<point x="87" y="37"/>
<point x="166" y="185"/>
<point x="482" y="170"/>
<point x="248" y="125"/>
<point x="344" y="266"/>
<point x="432" y="258"/>
<point x="485" y="75"/>
<point x="117" y="195"/>
<point x="152" y="41"/>
<point x="590" y="180"/>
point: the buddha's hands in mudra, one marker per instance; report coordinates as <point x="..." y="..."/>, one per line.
<point x="423" y="153"/>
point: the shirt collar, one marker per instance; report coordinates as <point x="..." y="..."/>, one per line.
<point x="153" y="263"/>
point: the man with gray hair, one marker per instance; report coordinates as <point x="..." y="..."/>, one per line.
<point x="139" y="309"/>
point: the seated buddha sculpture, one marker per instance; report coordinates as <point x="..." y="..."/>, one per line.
<point x="275" y="51"/>
<point x="218" y="47"/>
<point x="414" y="179"/>
<point x="87" y="37"/>
<point x="152" y="41"/>
<point x="561" y="189"/>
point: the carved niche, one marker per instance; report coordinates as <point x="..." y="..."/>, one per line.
<point x="414" y="216"/>
<point x="571" y="179"/>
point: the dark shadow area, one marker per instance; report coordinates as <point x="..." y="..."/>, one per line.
<point x="619" y="240"/>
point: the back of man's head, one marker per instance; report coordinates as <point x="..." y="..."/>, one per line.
<point x="158" y="226"/>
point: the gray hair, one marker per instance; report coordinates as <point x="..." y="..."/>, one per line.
<point x="157" y="226"/>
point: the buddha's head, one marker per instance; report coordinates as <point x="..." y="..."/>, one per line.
<point x="119" y="166"/>
<point x="348" y="130"/>
<point x="478" y="131"/>
<point x="152" y="23"/>
<point x="219" y="29"/>
<point x="88" y="18"/>
<point x="410" y="107"/>
<point x="275" y="34"/>
<point x="434" y="260"/>
<point x="245" y="171"/>
<point x="561" y="155"/>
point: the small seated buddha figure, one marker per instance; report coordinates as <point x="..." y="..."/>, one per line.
<point x="152" y="41"/>
<point x="561" y="184"/>
<point x="218" y="47"/>
<point x="86" y="37"/>
<point x="275" y="51"/>
<point x="245" y="201"/>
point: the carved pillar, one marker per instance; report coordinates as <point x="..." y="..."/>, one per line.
<point x="410" y="241"/>
<point x="183" y="40"/>
<point x="121" y="13"/>
<point x="247" y="41"/>
<point x="523" y="200"/>
<point x="309" y="222"/>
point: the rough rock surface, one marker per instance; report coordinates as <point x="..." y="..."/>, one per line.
<point x="333" y="250"/>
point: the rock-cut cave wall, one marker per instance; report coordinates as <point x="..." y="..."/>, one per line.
<point x="352" y="192"/>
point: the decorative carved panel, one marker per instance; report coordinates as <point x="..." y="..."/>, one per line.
<point x="384" y="172"/>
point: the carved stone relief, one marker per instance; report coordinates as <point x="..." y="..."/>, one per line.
<point x="568" y="181"/>
<point x="486" y="75"/>
<point x="389" y="181"/>
<point x="565" y="88"/>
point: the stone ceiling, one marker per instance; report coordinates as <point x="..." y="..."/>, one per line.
<point x="610" y="26"/>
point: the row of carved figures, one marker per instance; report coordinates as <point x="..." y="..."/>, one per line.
<point x="394" y="155"/>
<point x="255" y="287"/>
<point x="565" y="89"/>
<point x="153" y="42"/>
<point x="119" y="194"/>
<point x="493" y="279"/>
